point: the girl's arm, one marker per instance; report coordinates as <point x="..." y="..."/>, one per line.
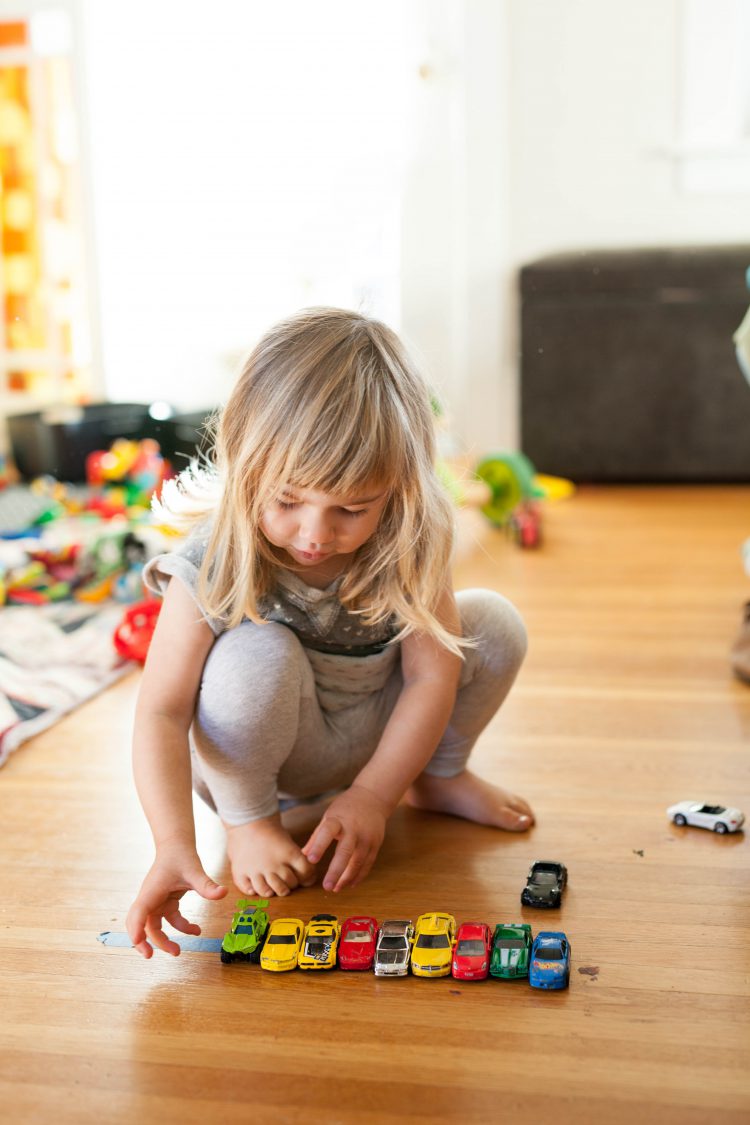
<point x="161" y="765"/>
<point x="358" y="816"/>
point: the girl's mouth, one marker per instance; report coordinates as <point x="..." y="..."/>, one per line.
<point x="313" y="556"/>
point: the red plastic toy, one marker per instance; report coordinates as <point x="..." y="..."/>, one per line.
<point x="357" y="945"/>
<point x="133" y="635"/>
<point x="471" y="957"/>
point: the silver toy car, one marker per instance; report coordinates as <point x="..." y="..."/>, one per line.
<point x="393" y="949"/>
<point x="715" y="817"/>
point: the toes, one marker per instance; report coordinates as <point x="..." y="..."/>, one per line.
<point x="243" y="884"/>
<point x="515" y="821"/>
<point x="518" y="805"/>
<point x="275" y="881"/>
<point x="262" y="887"/>
<point x="304" y="871"/>
<point x="289" y="875"/>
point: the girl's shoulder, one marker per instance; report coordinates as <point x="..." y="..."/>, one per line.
<point x="184" y="562"/>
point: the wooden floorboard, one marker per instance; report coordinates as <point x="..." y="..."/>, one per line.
<point x="625" y="705"/>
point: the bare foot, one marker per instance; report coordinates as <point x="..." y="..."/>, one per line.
<point x="265" y="859"/>
<point x="466" y="795"/>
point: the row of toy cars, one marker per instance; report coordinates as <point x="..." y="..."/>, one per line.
<point x="435" y="947"/>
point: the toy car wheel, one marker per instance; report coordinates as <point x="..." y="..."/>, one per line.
<point x="226" y="958"/>
<point x="720" y="827"/>
<point x="254" y="957"/>
<point x="680" y="820"/>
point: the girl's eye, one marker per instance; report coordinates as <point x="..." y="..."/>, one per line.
<point x="286" y="504"/>
<point x="361" y="512"/>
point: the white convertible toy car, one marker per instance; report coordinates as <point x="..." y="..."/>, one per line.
<point x="715" y="817"/>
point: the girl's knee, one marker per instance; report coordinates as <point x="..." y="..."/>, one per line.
<point x="495" y="625"/>
<point x="251" y="655"/>
<point x="254" y="674"/>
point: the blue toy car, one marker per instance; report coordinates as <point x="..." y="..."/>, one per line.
<point x="550" y="961"/>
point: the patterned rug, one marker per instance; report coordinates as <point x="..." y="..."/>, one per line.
<point x="52" y="658"/>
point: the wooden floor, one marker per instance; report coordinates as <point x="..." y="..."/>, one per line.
<point x="626" y="705"/>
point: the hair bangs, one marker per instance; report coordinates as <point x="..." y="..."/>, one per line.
<point x="343" y="447"/>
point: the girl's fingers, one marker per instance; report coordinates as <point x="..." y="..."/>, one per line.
<point x="366" y="867"/>
<point x="179" y="922"/>
<point x="160" y="940"/>
<point x="344" y="865"/>
<point x="135" y="924"/>
<point x="329" y="829"/>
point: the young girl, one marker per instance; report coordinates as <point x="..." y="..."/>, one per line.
<point x="309" y="642"/>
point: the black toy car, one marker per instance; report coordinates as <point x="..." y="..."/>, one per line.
<point x="545" y="884"/>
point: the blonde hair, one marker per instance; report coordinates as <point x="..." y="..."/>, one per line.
<point x="329" y="400"/>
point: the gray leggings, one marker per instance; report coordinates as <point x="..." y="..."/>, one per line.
<point x="263" y="736"/>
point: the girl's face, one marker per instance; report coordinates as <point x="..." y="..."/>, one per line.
<point x="313" y="527"/>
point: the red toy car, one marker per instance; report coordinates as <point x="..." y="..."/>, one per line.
<point x="357" y="945"/>
<point x="471" y="957"/>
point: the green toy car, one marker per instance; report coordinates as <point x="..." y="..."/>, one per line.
<point x="244" y="940"/>
<point x="511" y="950"/>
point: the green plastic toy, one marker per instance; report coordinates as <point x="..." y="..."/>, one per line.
<point x="511" y="949"/>
<point x="244" y="939"/>
<point x="511" y="480"/>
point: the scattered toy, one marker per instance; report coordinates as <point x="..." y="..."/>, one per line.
<point x="320" y="942"/>
<point x="550" y="961"/>
<point x="357" y="944"/>
<point x="434" y="940"/>
<point x="715" y="817"/>
<point x="282" y="945"/>
<point x="244" y="939"/>
<point x="511" y="951"/>
<point x="545" y="884"/>
<point x="471" y="957"/>
<point x="393" y="949"/>
<point x="132" y="636"/>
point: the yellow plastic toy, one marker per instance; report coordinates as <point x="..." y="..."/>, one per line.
<point x="434" y="940"/>
<point x="320" y="943"/>
<point x="283" y="945"/>
<point x="512" y="481"/>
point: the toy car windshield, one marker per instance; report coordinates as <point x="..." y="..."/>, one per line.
<point x="282" y="939"/>
<point x="544" y="878"/>
<point x="359" y="935"/>
<point x="433" y="941"/>
<point x="244" y="930"/>
<point x="710" y="810"/>
<point x="471" y="948"/>
<point x="549" y="953"/>
<point x="393" y="943"/>
<point x="510" y="943"/>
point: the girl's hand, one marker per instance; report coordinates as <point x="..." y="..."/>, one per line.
<point x="173" y="873"/>
<point x="357" y="819"/>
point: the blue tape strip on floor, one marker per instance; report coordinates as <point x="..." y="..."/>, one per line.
<point x="193" y="944"/>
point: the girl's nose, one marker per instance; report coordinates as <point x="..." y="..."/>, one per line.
<point x="317" y="530"/>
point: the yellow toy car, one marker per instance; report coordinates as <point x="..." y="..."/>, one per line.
<point x="320" y="942"/>
<point x="434" y="940"/>
<point x="283" y="943"/>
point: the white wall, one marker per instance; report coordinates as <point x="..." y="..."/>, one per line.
<point x="595" y="109"/>
<point x="455" y="217"/>
<point x="498" y="131"/>
<point x="594" y="120"/>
